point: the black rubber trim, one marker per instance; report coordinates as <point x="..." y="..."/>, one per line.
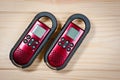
<point x="37" y="17"/>
<point x="70" y="19"/>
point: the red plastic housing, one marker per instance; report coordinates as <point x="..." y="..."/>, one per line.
<point x="29" y="44"/>
<point x="64" y="46"/>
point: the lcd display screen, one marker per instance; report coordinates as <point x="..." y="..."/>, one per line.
<point x="73" y="33"/>
<point x="39" y="31"/>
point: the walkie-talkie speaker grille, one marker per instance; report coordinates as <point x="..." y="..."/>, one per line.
<point x="56" y="59"/>
<point x="21" y="57"/>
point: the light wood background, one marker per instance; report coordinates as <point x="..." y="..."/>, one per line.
<point x="98" y="57"/>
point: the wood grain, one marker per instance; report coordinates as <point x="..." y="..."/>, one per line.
<point x="98" y="57"/>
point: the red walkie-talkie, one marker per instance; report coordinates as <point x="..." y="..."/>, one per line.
<point x="32" y="41"/>
<point x="66" y="43"/>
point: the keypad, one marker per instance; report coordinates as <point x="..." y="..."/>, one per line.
<point x="30" y="41"/>
<point x="65" y="44"/>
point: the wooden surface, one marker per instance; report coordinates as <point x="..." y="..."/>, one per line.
<point x="98" y="57"/>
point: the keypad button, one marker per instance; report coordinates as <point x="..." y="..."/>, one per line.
<point x="62" y="39"/>
<point x="71" y="44"/>
<point x="64" y="46"/>
<point x="29" y="44"/>
<point x="28" y="37"/>
<point x="32" y="39"/>
<point x="36" y="42"/>
<point x="59" y="43"/>
<point x="25" y="40"/>
<point x="33" y="47"/>
<point x="67" y="42"/>
<point x="68" y="49"/>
